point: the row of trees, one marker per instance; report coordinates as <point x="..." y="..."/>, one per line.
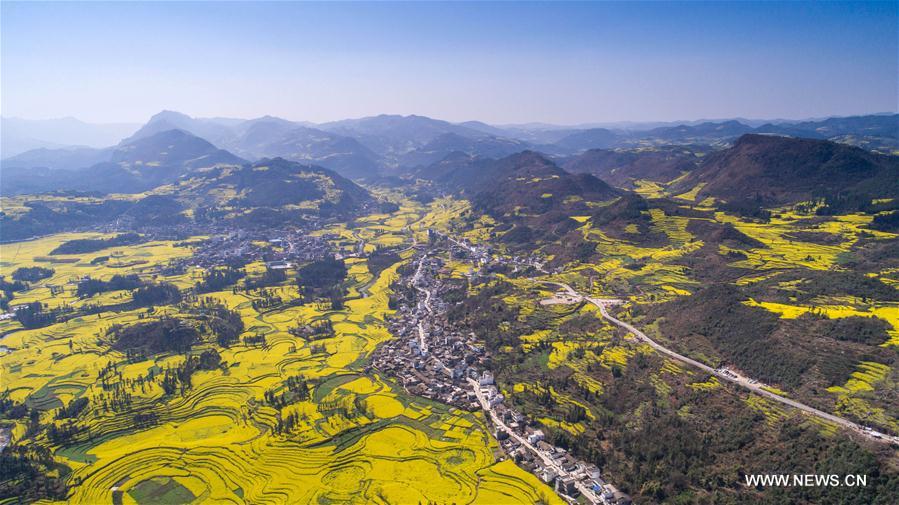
<point x="295" y="389"/>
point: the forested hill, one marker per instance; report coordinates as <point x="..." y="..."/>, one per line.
<point x="773" y="170"/>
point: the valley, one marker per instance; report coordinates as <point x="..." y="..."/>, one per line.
<point x="521" y="327"/>
<point x="209" y="441"/>
<point x="449" y="253"/>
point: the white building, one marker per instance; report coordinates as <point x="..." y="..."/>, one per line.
<point x="548" y="475"/>
<point x="536" y="436"/>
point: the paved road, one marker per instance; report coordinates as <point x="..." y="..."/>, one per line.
<point x="427" y="303"/>
<point x="360" y="246"/>
<point x="461" y="244"/>
<point x="741" y="381"/>
<point x="422" y="343"/>
<point x="415" y="279"/>
<point x="547" y="461"/>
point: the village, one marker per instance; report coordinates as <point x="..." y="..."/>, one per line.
<point x="281" y="249"/>
<point x="429" y="358"/>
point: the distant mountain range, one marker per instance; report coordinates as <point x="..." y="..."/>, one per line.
<point x="281" y="164"/>
<point x="268" y="137"/>
<point x="442" y="146"/>
<point x="390" y="145"/>
<point x="393" y="135"/>
<point x="133" y="166"/>
<point x="181" y="172"/>
<point x="60" y="158"/>
<point x="20" y="135"/>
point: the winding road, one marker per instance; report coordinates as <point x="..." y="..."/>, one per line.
<point x="603" y="303"/>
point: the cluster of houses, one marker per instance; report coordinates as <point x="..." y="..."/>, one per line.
<point x="553" y="465"/>
<point x="428" y="359"/>
<point x="526" y="444"/>
<point x="280" y="250"/>
<point x="433" y="360"/>
<point x="483" y="255"/>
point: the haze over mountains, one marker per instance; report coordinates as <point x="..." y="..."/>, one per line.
<point x="533" y="186"/>
<point x="132" y="166"/>
<point x="503" y="170"/>
<point x="20" y="135"/>
<point x="673" y="209"/>
<point x="387" y="144"/>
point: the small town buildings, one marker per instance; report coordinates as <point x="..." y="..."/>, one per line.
<point x="536" y="436"/>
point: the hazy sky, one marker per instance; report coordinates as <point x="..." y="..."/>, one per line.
<point x="501" y="63"/>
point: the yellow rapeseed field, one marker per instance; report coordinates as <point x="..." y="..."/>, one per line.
<point x="359" y="438"/>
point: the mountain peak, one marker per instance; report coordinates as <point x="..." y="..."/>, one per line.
<point x="171" y="135"/>
<point x="168" y="115"/>
<point x="530" y="158"/>
<point x="758" y="138"/>
<point x="172" y="147"/>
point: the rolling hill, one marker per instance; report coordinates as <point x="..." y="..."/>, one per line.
<point x="272" y="183"/>
<point x="394" y="135"/>
<point x="522" y="183"/>
<point x="772" y="170"/>
<point x="444" y="145"/>
<point x="621" y="167"/>
<point x="588" y="139"/>
<point x="132" y="167"/>
<point x="269" y="193"/>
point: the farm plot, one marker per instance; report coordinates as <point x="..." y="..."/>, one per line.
<point x="354" y="438"/>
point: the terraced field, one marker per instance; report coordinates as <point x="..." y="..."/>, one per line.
<point x="356" y="438"/>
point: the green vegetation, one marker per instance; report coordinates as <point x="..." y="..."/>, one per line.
<point x="160" y="395"/>
<point x="32" y="274"/>
<point x="82" y="246"/>
<point x="135" y="371"/>
<point x="803" y="301"/>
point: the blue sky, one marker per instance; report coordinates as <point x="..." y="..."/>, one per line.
<point x="497" y="62"/>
